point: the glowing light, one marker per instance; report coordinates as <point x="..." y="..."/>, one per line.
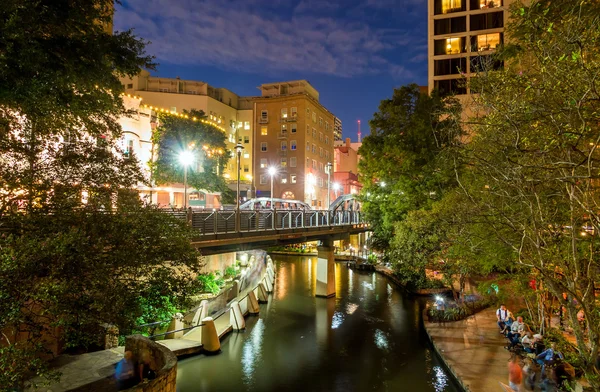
<point x="272" y="171"/>
<point x="186" y="158"/>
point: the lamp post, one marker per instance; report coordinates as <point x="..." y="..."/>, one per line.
<point x="328" y="170"/>
<point x="186" y="158"/>
<point x="238" y="150"/>
<point x="336" y="188"/>
<point x="272" y="171"/>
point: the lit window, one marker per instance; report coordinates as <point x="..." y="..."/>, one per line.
<point x="247" y="125"/>
<point x="293" y="178"/>
<point x="488" y="41"/>
<point x="246" y="155"/>
<point x="283" y="112"/>
<point x="263" y="146"/>
<point x="283" y="162"/>
<point x="263" y="130"/>
<point x="451" y="5"/>
<point x="283" y="179"/>
<point x="263" y="163"/>
<point x="283" y="129"/>
<point x="239" y="124"/>
<point x="453" y="45"/>
<point x="293" y="145"/>
<point x="294" y="112"/>
<point x="293" y="162"/>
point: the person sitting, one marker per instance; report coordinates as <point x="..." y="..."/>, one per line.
<point x="502" y="316"/>
<point x="508" y="323"/>
<point x="517" y="329"/>
<point x="549" y="356"/>
<point x="125" y="372"/>
<point x="145" y="368"/>
<point x="528" y="342"/>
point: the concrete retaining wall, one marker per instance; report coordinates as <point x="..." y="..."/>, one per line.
<point x="164" y="363"/>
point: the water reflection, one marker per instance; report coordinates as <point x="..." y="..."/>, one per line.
<point x="366" y="338"/>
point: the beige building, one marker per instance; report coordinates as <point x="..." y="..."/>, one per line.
<point x="294" y="134"/>
<point x="233" y="114"/>
<point x="462" y="34"/>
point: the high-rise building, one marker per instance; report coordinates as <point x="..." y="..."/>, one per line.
<point x="337" y="129"/>
<point x="462" y="35"/>
<point x="294" y="135"/>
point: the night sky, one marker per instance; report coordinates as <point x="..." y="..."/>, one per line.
<point x="354" y="52"/>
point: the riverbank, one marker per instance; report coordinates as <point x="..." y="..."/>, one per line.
<point x="388" y="273"/>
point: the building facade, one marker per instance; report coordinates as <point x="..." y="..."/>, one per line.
<point x="337" y="129"/>
<point x="345" y="166"/>
<point x="222" y="107"/>
<point x="462" y="35"/>
<point x="294" y="136"/>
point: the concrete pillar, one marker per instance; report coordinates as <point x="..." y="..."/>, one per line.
<point x="201" y="312"/>
<point x="271" y="275"/>
<point x="325" y="271"/>
<point x="236" y="318"/>
<point x="253" y="307"/>
<point x="210" y="338"/>
<point x="175" y="324"/>
<point x="268" y="284"/>
<point x="263" y="296"/>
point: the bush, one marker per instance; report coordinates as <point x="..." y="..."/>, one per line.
<point x="459" y="311"/>
<point x="230" y="272"/>
<point x="209" y="283"/>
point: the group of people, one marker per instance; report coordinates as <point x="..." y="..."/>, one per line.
<point x="128" y="374"/>
<point x="517" y="332"/>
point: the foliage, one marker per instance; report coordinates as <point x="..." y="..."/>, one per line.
<point x="459" y="311"/>
<point x="206" y="143"/>
<point x="409" y="157"/>
<point x="533" y="158"/>
<point x="372" y="259"/>
<point x="210" y="283"/>
<point x="230" y="272"/>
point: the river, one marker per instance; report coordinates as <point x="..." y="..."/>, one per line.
<point x="367" y="338"/>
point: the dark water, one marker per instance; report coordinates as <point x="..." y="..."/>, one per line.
<point x="367" y="338"/>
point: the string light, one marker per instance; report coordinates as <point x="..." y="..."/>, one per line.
<point x="185" y="116"/>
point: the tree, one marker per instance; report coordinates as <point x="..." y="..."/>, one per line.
<point x="206" y="143"/>
<point x="69" y="262"/>
<point x="409" y="156"/>
<point x="534" y="155"/>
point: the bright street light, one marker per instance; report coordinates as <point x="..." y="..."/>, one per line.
<point x="336" y="187"/>
<point x="186" y="158"/>
<point x="272" y="171"/>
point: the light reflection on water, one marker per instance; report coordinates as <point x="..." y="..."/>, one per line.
<point x="364" y="339"/>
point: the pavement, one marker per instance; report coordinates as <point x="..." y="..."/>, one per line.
<point x="85" y="372"/>
<point x="473" y="350"/>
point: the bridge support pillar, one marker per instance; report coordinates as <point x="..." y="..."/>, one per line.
<point x="175" y="325"/>
<point x="253" y="307"/>
<point x="210" y="338"/>
<point x="263" y="296"/>
<point x="268" y="284"/>
<point x="201" y="312"/>
<point x="236" y="318"/>
<point x="325" y="270"/>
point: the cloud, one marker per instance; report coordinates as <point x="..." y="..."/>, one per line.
<point x="332" y="37"/>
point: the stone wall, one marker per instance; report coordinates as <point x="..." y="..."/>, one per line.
<point x="163" y="362"/>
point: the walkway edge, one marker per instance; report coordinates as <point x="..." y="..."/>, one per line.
<point x="441" y="355"/>
<point x="458" y="380"/>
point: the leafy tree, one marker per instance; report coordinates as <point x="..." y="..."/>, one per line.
<point x="68" y="263"/>
<point x="206" y="144"/>
<point x="534" y="155"/>
<point x="408" y="156"/>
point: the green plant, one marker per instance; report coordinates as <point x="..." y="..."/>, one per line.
<point x="230" y="272"/>
<point x="208" y="283"/>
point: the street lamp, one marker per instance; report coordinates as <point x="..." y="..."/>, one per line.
<point x="186" y="158"/>
<point x="336" y="188"/>
<point x="328" y="170"/>
<point x="272" y="171"/>
<point x="238" y="150"/>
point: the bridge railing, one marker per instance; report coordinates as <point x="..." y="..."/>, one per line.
<point x="222" y="222"/>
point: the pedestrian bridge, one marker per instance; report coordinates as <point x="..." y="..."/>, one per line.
<point x="226" y="231"/>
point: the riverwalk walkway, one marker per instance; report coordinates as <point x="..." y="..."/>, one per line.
<point x="473" y="350"/>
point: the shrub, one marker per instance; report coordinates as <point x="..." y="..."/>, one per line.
<point x="230" y="272"/>
<point x="209" y="284"/>
<point x="459" y="311"/>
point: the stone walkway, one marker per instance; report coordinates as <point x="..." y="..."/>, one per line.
<point x="85" y="372"/>
<point x="474" y="350"/>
